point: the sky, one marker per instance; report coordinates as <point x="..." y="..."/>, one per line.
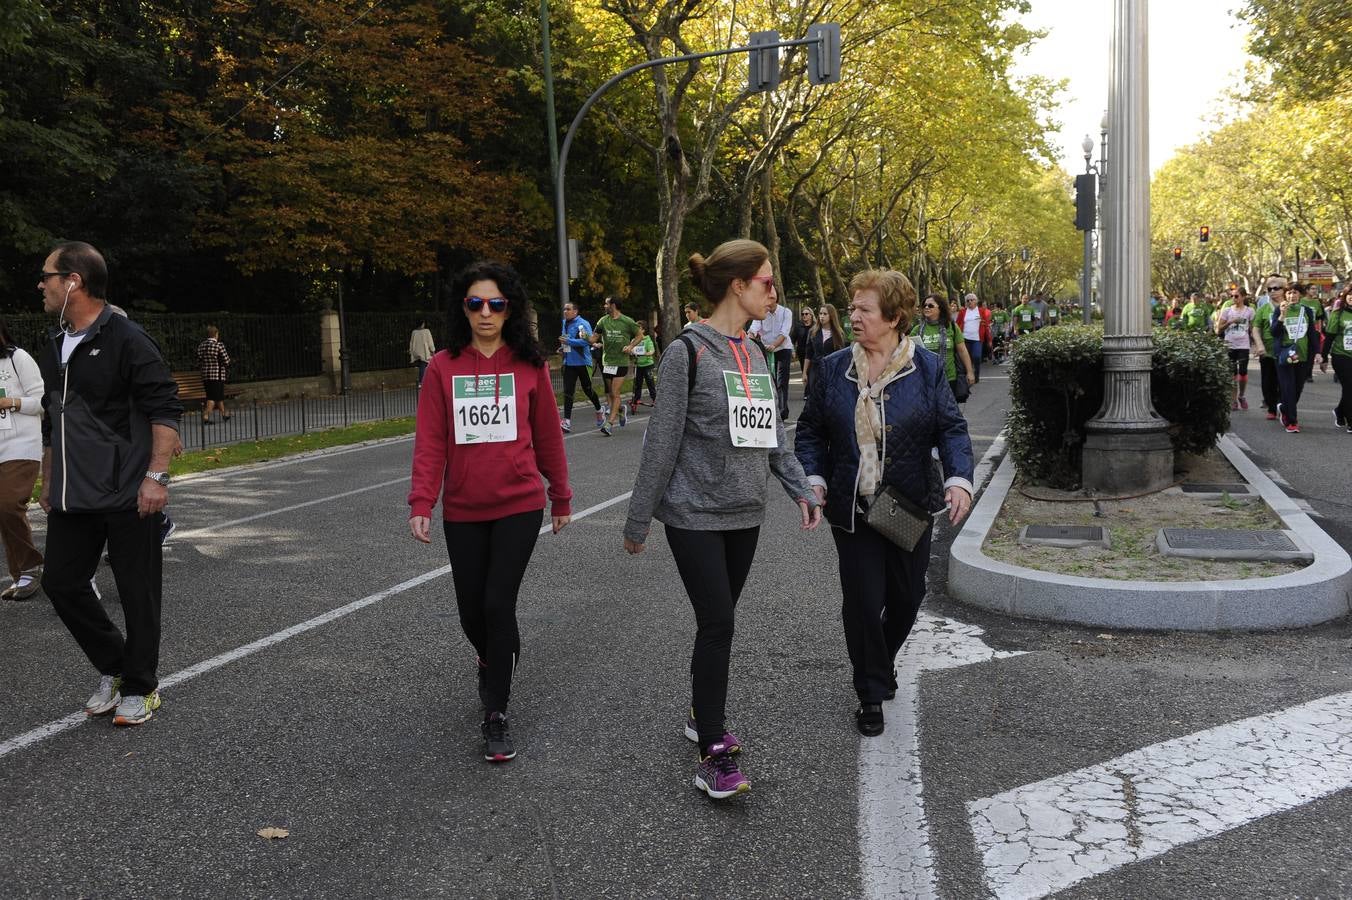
<point x="1196" y="53"/>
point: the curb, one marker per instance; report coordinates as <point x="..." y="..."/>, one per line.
<point x="1317" y="593"/>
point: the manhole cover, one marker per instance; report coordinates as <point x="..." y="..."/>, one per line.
<point x="1226" y="539"/>
<point x="1203" y="488"/>
<point x="1228" y="543"/>
<point x="1064" y="532"/>
<point x="1068" y="536"/>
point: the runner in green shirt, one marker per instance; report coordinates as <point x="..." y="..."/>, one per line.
<point x="1272" y="289"/>
<point x="1025" y="318"/>
<point x="1196" y="314"/>
<point x="1053" y="313"/>
<point x="999" y="331"/>
<point x="613" y="334"/>
<point x="643" y="349"/>
<point x="936" y="332"/>
<point x="1310" y="301"/>
<point x="1338" y="327"/>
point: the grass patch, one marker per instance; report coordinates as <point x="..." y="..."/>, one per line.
<point x="278" y="447"/>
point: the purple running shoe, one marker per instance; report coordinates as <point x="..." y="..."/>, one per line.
<point x="718" y="775"/>
<point x="692" y="732"/>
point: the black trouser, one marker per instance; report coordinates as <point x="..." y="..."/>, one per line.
<point x="1291" y="381"/>
<point x="1342" y="367"/>
<point x="571" y="376"/>
<point x="1267" y="375"/>
<point x="644" y="375"/>
<point x="882" y="586"/>
<point x="74" y="543"/>
<point x="783" y="363"/>
<point x="713" y="566"/>
<point x="488" y="561"/>
<point x="974" y="349"/>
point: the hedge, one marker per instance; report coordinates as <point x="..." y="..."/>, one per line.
<point x="1056" y="385"/>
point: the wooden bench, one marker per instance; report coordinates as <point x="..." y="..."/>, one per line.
<point x="190" y="386"/>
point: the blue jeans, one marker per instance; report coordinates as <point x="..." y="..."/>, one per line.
<point x="974" y="351"/>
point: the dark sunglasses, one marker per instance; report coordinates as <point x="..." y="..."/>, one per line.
<point x="931" y="306"/>
<point x="496" y="304"/>
<point x="43" y="276"/>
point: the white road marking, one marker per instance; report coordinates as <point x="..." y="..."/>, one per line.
<point x="1041" y="838"/>
<point x="893" y="830"/>
<point x="42" y="732"/>
<point x="194" y="532"/>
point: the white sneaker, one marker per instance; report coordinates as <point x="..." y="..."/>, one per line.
<point x="567" y="425"/>
<point x="106" y="697"/>
<point x="135" y="708"/>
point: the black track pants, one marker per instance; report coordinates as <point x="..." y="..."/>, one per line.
<point x="488" y="561"/>
<point x="713" y="566"/>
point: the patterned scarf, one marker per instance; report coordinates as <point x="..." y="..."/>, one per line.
<point x="868" y="425"/>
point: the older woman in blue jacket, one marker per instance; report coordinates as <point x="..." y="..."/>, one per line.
<point x="874" y="411"/>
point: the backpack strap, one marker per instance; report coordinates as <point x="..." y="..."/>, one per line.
<point x="693" y="357"/>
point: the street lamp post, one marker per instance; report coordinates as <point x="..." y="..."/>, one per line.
<point x="1127" y="449"/>
<point x="1087" y="278"/>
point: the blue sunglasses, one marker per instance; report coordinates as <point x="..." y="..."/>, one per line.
<point x="496" y="304"/>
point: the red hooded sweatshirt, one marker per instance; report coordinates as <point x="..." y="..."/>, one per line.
<point x="482" y="482"/>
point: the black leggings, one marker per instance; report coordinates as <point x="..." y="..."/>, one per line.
<point x="882" y="586"/>
<point x="488" y="561"/>
<point x="713" y="566"/>
<point x="1267" y="373"/>
<point x="571" y="376"/>
<point x="1342" y="367"/>
<point x="642" y="375"/>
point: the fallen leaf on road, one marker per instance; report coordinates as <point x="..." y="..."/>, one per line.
<point x="273" y="834"/>
<point x="1107" y="637"/>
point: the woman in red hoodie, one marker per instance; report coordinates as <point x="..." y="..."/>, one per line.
<point x="487" y="429"/>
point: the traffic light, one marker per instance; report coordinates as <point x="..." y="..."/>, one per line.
<point x="823" y="57"/>
<point x="1205" y="234"/>
<point x="1084" y="201"/>
<point x="763" y="65"/>
<point x="1178" y="253"/>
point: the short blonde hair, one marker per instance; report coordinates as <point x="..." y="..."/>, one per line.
<point x="896" y="294"/>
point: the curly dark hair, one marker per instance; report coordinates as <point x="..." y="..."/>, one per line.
<point x="515" y="331"/>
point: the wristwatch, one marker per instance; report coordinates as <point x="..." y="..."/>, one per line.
<point x="161" y="478"/>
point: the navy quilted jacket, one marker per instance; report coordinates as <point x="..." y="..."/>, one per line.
<point x="919" y="412"/>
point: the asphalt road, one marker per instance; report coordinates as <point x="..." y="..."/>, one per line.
<point x="359" y="734"/>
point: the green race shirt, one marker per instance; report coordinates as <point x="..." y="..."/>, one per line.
<point x="1025" y="318"/>
<point x="643" y="352"/>
<point x="1053" y="315"/>
<point x="1339" y="329"/>
<point x="615" y="336"/>
<point x="930" y="336"/>
<point x="1196" y="316"/>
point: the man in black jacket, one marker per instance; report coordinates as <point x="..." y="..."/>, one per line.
<point x="111" y="425"/>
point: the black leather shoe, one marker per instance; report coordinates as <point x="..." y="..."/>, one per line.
<point x="869" y="719"/>
<point x="891" y="687"/>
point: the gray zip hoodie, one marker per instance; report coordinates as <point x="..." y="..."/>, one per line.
<point x="690" y="475"/>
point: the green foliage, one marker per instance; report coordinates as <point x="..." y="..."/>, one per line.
<point x="1191" y="387"/>
<point x="1056" y="384"/>
<point x="1308" y="44"/>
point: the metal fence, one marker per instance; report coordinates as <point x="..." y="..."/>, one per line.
<point x="260" y="347"/>
<point x="254" y="420"/>
<point x="379" y="340"/>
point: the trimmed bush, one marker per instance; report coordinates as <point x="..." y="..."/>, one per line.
<point x="1056" y="385"/>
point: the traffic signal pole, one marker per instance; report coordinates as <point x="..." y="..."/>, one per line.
<point x="823" y="65"/>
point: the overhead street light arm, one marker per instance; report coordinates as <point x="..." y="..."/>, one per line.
<point x="560" y="213"/>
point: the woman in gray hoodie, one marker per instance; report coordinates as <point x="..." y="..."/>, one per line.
<point x="709" y="450"/>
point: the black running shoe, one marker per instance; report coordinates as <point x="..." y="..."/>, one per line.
<point x="498" y="746"/>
